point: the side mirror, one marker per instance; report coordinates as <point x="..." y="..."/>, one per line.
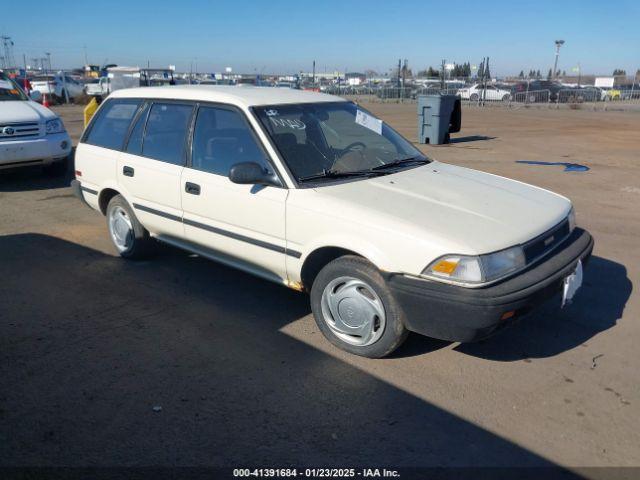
<point x="35" y="95"/>
<point x="251" y="173"/>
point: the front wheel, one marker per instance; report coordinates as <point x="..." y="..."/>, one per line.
<point x="355" y="310"/>
<point x="506" y="97"/>
<point x="474" y="97"/>
<point x="128" y="235"/>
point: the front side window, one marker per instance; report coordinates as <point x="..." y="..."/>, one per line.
<point x="110" y="127"/>
<point x="166" y="132"/>
<point x="335" y="139"/>
<point x="221" y="139"/>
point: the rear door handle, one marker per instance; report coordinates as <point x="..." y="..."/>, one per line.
<point x="128" y="171"/>
<point x="192" y="188"/>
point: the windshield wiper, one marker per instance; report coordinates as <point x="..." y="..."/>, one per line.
<point x="402" y="161"/>
<point x="336" y="174"/>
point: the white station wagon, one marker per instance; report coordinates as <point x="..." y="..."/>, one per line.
<point x="315" y="193"/>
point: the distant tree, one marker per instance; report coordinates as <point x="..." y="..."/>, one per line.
<point x="538" y="74"/>
<point x="549" y="74"/>
<point x="619" y="71"/>
<point x="432" y="72"/>
<point x="521" y="74"/>
<point x="564" y="73"/>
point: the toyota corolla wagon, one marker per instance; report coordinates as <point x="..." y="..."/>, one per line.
<point x="314" y="192"/>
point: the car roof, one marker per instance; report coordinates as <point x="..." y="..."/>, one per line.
<point x="243" y="96"/>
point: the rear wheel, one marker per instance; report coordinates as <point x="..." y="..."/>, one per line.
<point x="128" y="235"/>
<point x="506" y="97"/>
<point x="355" y="310"/>
<point x="474" y="97"/>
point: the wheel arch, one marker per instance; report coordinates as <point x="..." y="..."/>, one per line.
<point x="106" y="194"/>
<point x="318" y="258"/>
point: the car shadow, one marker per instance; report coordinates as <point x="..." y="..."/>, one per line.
<point x="605" y="292"/>
<point x="470" y="138"/>
<point x="181" y="361"/>
<point x="24" y="179"/>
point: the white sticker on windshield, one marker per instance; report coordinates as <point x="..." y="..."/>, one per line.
<point x="369" y="121"/>
<point x="6" y="85"/>
<point x="292" y="123"/>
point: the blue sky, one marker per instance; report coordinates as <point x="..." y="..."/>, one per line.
<point x="286" y="36"/>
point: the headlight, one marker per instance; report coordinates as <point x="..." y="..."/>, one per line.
<point x="54" y="126"/>
<point x="572" y="219"/>
<point x="476" y="269"/>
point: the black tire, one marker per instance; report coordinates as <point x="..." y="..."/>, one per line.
<point x="57" y="168"/>
<point x="394" y="332"/>
<point x="474" y="97"/>
<point x="506" y="97"/>
<point x="142" y="245"/>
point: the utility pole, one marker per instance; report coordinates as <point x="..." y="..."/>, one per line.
<point x="7" y="45"/>
<point x="86" y="62"/>
<point x="484" y="74"/>
<point x="48" y="60"/>
<point x="314" y="73"/>
<point x="399" y="67"/>
<point x="559" y="43"/>
<point x="444" y="61"/>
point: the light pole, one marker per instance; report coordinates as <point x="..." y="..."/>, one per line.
<point x="559" y="43"/>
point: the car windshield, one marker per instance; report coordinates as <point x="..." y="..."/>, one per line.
<point x="9" y="90"/>
<point x="321" y="141"/>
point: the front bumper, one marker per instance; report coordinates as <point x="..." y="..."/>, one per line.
<point x="39" y="150"/>
<point x="459" y="314"/>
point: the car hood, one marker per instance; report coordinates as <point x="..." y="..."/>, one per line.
<point x="476" y="211"/>
<point x="12" y="111"/>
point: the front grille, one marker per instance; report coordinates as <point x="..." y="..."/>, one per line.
<point x="543" y="244"/>
<point x="10" y="131"/>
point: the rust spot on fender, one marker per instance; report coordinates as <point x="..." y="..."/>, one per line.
<point x="295" y="285"/>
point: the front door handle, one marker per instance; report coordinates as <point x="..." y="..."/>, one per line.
<point x="192" y="188"/>
<point x="128" y="171"/>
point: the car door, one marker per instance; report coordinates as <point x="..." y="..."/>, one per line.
<point x="150" y="167"/>
<point x="243" y="225"/>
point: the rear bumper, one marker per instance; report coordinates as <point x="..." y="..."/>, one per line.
<point x="454" y="313"/>
<point x="79" y="191"/>
<point x="40" y="150"/>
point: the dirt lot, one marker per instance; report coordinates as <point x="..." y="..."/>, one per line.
<point x="90" y="344"/>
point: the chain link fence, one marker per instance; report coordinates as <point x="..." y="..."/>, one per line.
<point x="492" y="95"/>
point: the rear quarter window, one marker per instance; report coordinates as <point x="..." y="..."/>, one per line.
<point x="110" y="127"/>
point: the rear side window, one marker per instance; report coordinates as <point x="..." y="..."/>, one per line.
<point x="111" y="126"/>
<point x="134" y="146"/>
<point x="166" y="132"/>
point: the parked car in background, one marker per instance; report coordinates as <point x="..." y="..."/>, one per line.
<point x="55" y="86"/>
<point x="115" y="78"/>
<point x="30" y="134"/>
<point x="477" y="92"/>
<point x="538" y="86"/>
<point x="313" y="192"/>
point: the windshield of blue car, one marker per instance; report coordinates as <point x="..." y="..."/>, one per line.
<point x="339" y="138"/>
<point x="9" y="90"/>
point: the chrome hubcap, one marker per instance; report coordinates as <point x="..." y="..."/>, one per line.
<point x="353" y="311"/>
<point x="120" y="229"/>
